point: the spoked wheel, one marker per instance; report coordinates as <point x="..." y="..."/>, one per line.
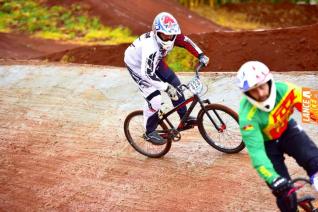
<point x="228" y="138"/>
<point x="134" y="131"/>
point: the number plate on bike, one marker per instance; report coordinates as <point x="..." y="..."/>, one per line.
<point x="195" y="85"/>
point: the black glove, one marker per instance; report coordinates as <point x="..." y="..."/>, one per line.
<point x="280" y="186"/>
<point x="204" y="59"/>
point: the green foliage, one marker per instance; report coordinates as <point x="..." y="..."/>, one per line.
<point x="58" y="23"/>
<point x="181" y="60"/>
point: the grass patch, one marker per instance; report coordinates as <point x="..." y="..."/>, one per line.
<point x="58" y="23"/>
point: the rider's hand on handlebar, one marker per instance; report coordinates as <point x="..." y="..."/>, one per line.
<point x="280" y="186"/>
<point x="204" y="59"/>
<point x="172" y="93"/>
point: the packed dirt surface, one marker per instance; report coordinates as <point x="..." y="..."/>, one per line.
<point x="294" y="48"/>
<point x="63" y="147"/>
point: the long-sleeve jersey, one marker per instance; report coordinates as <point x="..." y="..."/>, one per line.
<point x="144" y="54"/>
<point x="258" y="127"/>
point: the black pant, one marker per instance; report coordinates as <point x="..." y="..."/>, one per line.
<point x="297" y="144"/>
<point x="167" y="75"/>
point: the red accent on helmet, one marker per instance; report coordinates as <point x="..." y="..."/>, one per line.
<point x="167" y="20"/>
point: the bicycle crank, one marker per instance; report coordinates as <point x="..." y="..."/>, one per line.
<point x="175" y="135"/>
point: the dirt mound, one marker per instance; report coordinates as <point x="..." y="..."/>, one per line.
<point x="291" y="49"/>
<point x="97" y="55"/>
<point x="17" y="46"/>
<point x="138" y="15"/>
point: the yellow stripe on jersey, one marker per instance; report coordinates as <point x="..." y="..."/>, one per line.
<point x="265" y="172"/>
<point x="251" y="113"/>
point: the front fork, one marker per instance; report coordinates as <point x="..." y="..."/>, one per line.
<point x="207" y="101"/>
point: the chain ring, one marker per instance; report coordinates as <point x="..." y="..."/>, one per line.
<point x="175" y="135"/>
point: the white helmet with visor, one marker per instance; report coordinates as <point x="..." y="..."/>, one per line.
<point x="165" y="28"/>
<point x="253" y="74"/>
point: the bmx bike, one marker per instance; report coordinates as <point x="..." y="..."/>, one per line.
<point x="217" y="124"/>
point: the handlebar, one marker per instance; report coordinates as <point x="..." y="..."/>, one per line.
<point x="305" y="180"/>
<point x="298" y="183"/>
<point x="182" y="87"/>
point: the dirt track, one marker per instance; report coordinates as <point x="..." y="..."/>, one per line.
<point x="63" y="148"/>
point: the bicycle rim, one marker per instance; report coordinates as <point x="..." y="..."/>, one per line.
<point x="229" y="140"/>
<point x="134" y="131"/>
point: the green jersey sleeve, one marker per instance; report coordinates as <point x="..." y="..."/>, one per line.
<point x="254" y="142"/>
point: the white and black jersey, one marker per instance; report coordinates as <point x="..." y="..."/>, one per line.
<point x="144" y="54"/>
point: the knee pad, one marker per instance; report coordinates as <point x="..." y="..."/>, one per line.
<point x="153" y="106"/>
<point x="151" y="109"/>
<point x="155" y="103"/>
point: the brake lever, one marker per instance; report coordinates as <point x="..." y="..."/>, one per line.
<point x="181" y="87"/>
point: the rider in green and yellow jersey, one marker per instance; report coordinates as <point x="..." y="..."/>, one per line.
<point x="268" y="131"/>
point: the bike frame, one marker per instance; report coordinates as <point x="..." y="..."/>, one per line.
<point x="194" y="99"/>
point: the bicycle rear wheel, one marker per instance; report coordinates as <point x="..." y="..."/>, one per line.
<point x="134" y="130"/>
<point x="227" y="140"/>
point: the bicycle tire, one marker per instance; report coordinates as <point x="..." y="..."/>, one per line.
<point x="136" y="140"/>
<point x="206" y="133"/>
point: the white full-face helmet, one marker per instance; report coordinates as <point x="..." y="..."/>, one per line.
<point x="165" y="23"/>
<point x="253" y="74"/>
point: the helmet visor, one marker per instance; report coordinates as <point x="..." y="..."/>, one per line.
<point x="164" y="37"/>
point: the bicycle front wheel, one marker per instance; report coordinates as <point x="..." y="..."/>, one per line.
<point x="134" y="131"/>
<point x="227" y="138"/>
